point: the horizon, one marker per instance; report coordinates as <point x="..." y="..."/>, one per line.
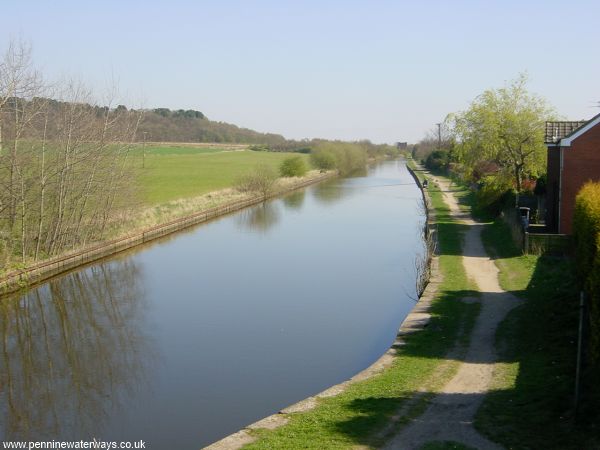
<point x="381" y="71"/>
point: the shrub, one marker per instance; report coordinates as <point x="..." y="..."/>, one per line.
<point x="493" y="195"/>
<point x="586" y="232"/>
<point x="259" y="148"/>
<point x="260" y="180"/>
<point x="293" y="166"/>
<point x="437" y="161"/>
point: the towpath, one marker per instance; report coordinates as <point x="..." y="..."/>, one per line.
<point x="450" y="414"/>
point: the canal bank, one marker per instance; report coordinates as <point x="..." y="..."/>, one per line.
<point x="220" y="325"/>
<point x="36" y="273"/>
<point x="416" y="320"/>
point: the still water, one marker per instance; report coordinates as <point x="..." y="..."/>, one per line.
<point x="186" y="340"/>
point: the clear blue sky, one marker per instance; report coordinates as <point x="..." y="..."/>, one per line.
<point x="382" y="70"/>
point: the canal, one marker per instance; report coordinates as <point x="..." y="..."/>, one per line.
<point x="186" y="340"/>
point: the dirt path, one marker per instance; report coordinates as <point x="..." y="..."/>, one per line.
<point x="450" y="414"/>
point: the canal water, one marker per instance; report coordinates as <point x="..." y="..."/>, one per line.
<point x="186" y="340"/>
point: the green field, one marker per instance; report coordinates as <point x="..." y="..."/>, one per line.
<point x="172" y="150"/>
<point x="171" y="173"/>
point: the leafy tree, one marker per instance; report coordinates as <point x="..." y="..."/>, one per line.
<point x="505" y="126"/>
<point x="322" y="159"/>
<point x="346" y="157"/>
<point x="163" y="112"/>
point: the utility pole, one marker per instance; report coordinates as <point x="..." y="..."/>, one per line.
<point x="439" y="125"/>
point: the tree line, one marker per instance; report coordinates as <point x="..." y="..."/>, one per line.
<point x="64" y="167"/>
<point x="496" y="144"/>
<point x="164" y="125"/>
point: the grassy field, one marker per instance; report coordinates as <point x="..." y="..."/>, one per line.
<point x="358" y="416"/>
<point x="172" y="172"/>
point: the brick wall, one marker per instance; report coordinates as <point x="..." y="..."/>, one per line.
<point x="581" y="163"/>
<point x="552" y="189"/>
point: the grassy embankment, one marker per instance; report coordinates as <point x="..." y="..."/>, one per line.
<point x="532" y="402"/>
<point x="174" y="172"/>
<point x="178" y="180"/>
<point x="359" y="415"/>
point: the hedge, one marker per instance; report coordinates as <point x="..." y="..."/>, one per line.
<point x="586" y="227"/>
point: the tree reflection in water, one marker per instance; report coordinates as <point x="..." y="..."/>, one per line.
<point x="329" y="192"/>
<point x="294" y="200"/>
<point x="72" y="351"/>
<point x="261" y="218"/>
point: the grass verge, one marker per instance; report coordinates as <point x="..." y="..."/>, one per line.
<point x="359" y="415"/>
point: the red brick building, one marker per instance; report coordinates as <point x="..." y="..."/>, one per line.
<point x="573" y="159"/>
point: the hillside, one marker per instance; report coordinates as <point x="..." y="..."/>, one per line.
<point x="164" y="125"/>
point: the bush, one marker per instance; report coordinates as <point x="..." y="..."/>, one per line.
<point x="293" y="166"/>
<point x="494" y="195"/>
<point x="259" y="148"/>
<point x="586" y="232"/>
<point x="260" y="180"/>
<point x="437" y="161"/>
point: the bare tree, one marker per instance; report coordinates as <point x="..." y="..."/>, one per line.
<point x="64" y="161"/>
<point x="261" y="180"/>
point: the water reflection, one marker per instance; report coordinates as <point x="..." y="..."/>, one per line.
<point x="329" y="192"/>
<point x="71" y="352"/>
<point x="76" y="357"/>
<point x="294" y="200"/>
<point x="259" y="218"/>
<point x="358" y="173"/>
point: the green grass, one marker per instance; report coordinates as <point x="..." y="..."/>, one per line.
<point x="172" y="173"/>
<point x="531" y="406"/>
<point x="168" y="150"/>
<point x="359" y="414"/>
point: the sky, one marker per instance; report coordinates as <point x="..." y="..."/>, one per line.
<point x="380" y="70"/>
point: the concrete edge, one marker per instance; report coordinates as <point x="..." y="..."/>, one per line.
<point x="416" y="320"/>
